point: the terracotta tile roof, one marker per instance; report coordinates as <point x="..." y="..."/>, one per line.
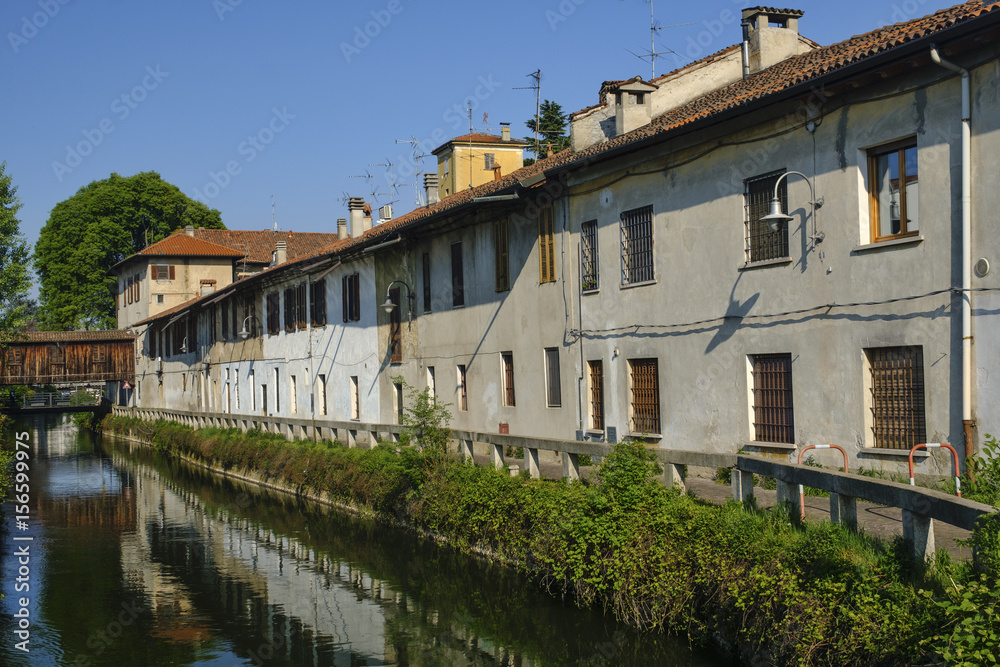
<point x="69" y="336"/>
<point x="180" y="244"/>
<point x="794" y="71"/>
<point x="479" y="138"/>
<point x="259" y="245"/>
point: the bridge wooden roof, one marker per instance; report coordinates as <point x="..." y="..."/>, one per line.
<point x="70" y="336"/>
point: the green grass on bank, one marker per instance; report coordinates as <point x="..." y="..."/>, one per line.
<point x="775" y="592"/>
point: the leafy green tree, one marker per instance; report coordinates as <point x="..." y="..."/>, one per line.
<point x="99" y="226"/>
<point x="551" y="129"/>
<point x="14" y="257"/>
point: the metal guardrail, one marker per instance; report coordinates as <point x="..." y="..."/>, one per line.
<point x="920" y="506"/>
<point x="52" y="400"/>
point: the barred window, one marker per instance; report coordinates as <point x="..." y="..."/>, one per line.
<point x="500" y="253"/>
<point x="596" y="395"/>
<point x="761" y="242"/>
<point x="772" y="398"/>
<point x="637" y="245"/>
<point x="897" y="396"/>
<point x="588" y="255"/>
<point x="546" y="246"/>
<point x="645" y="380"/>
<point x="507" y="361"/>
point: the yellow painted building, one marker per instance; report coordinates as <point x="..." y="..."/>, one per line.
<point x="473" y="159"/>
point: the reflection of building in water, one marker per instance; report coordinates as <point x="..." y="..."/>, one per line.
<point x="271" y="593"/>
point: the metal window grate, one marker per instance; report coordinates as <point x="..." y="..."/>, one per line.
<point x="637" y="245"/>
<point x="761" y="243"/>
<point x="597" y="395"/>
<point x="463" y="397"/>
<point x="773" y="417"/>
<point x="508" y="378"/>
<point x="588" y="255"/>
<point x="645" y="395"/>
<point x="500" y="245"/>
<point x="897" y="391"/>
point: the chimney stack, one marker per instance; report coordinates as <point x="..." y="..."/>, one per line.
<point x="505" y="131"/>
<point x="366" y="222"/>
<point x="341" y="228"/>
<point x="189" y="230"/>
<point x="355" y="208"/>
<point x="280" y="253"/>
<point x="431" y="189"/>
<point x="772" y="36"/>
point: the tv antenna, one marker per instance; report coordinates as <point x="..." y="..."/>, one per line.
<point x="393" y="190"/>
<point x="417" y="171"/>
<point x="537" y="87"/>
<point x="653" y="54"/>
<point x="274" y="221"/>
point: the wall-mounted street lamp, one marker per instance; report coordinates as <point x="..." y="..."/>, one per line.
<point x="244" y="333"/>
<point x="184" y="345"/>
<point x="777" y="216"/>
<point x="389" y="306"/>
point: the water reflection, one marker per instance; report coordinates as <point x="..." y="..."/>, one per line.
<point x="145" y="561"/>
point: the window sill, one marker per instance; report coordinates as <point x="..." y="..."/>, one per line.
<point x="908" y="240"/>
<point x="761" y="444"/>
<point x="780" y="261"/>
<point x="884" y="451"/>
<point x="642" y="284"/>
<point x="596" y="290"/>
<point x="644" y="436"/>
<point x="458" y="307"/>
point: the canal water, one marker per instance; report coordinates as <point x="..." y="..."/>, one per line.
<point x="137" y="560"/>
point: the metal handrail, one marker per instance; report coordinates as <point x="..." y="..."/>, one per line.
<point x="802" y="491"/>
<point x="935" y="445"/>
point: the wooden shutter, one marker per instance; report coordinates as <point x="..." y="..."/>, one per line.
<point x="300" y="309"/>
<point x="457" y="276"/>
<point x="154" y="272"/>
<point x="170" y="270"/>
<point x="355" y="297"/>
<point x="546" y="246"/>
<point x="290" y="309"/>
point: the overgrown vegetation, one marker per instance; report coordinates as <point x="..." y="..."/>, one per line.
<point x="984" y="485"/>
<point x="777" y="593"/>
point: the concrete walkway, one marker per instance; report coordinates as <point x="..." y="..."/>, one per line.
<point x="877" y="520"/>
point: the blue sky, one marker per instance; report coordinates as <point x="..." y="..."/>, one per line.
<point x="235" y="101"/>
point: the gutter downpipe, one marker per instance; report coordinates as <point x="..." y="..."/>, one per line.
<point x="967" y="422"/>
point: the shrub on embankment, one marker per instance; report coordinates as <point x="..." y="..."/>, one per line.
<point x="774" y="592"/>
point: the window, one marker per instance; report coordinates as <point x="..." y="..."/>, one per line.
<point x="317" y="303"/>
<point x="425" y="262"/>
<point x="637" y="245"/>
<point x="162" y="272"/>
<point x="300" y="306"/>
<point x="321" y="387"/>
<point x="897" y="396"/>
<point x="892" y="177"/>
<point x="395" y="330"/>
<point x="546" y="247"/>
<point x="249" y="317"/>
<point x="645" y="381"/>
<point x="277" y="392"/>
<point x="160" y="299"/>
<point x="507" y="368"/>
<point x="762" y="243"/>
<point x="773" y="417"/>
<point x="596" y="377"/>
<point x="290" y="309"/>
<point x="273" y="310"/>
<point x="397" y="388"/>
<point x="457" y="276"/>
<point x="463" y="396"/>
<point x="488" y="161"/>
<point x="355" y="398"/>
<point x="263" y="398"/>
<point x="501" y="247"/>
<point x="352" y="297"/>
<point x="293" y="395"/>
<point x="431" y="381"/>
<point x="553" y="384"/>
<point x="253" y="392"/>
<point x="588" y="255"/>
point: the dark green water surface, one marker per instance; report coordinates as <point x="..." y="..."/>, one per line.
<point x="135" y="559"/>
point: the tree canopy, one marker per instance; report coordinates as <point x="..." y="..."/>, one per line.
<point x="551" y="129"/>
<point x="102" y="224"/>
<point x="14" y="277"/>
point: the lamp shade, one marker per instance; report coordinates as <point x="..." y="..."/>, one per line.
<point x="776" y="216"/>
